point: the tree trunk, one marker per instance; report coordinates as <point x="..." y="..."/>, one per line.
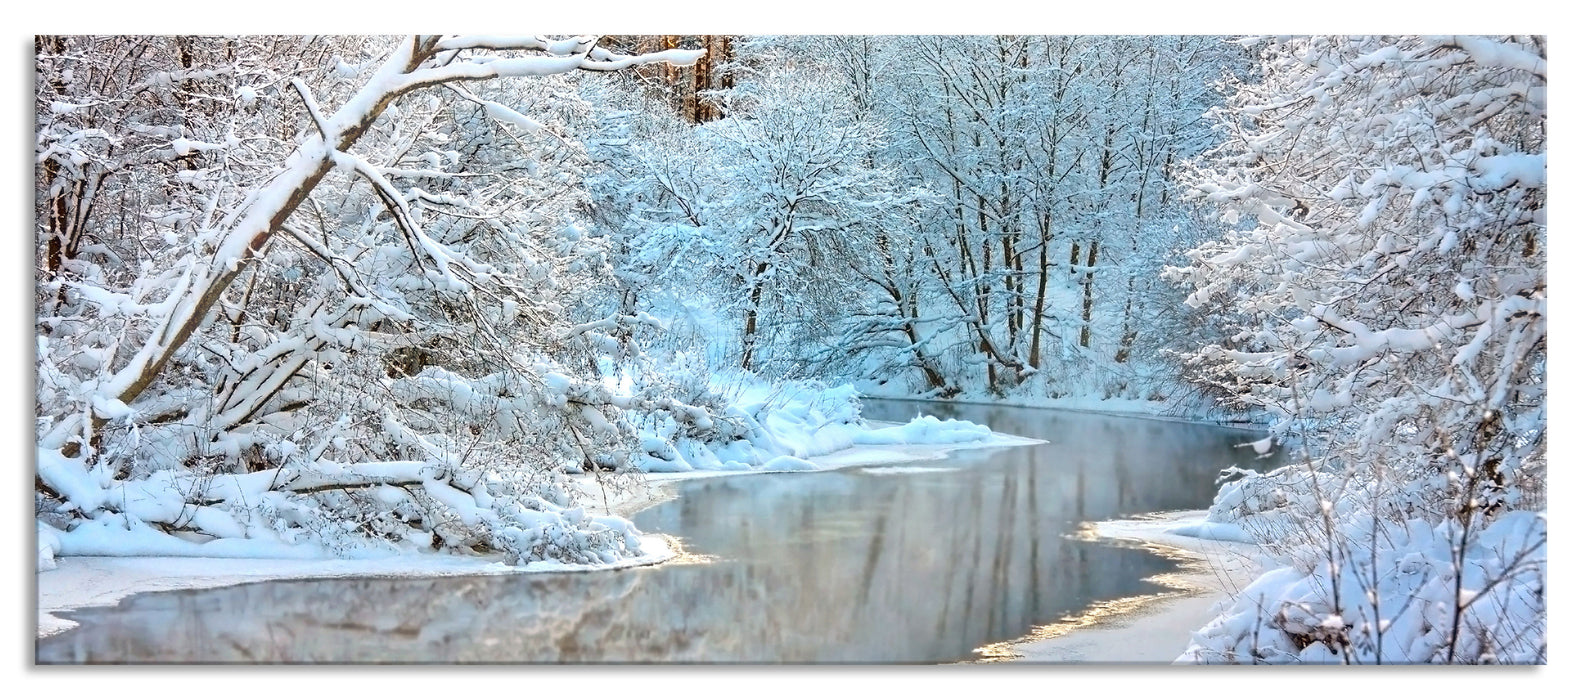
<point x="672" y="74"/>
<point x="1128" y="334"/>
<point x="1013" y="297"/>
<point x="981" y="290"/>
<point x="1087" y="291"/>
<point x="935" y="379"/>
<point x="699" y="110"/>
<point x="1035" y="351"/>
<point x="750" y="332"/>
<point x="931" y="374"/>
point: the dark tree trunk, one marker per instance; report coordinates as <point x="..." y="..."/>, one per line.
<point x="1087" y="291"/>
<point x="750" y="332"/>
<point x="1035" y="351"/>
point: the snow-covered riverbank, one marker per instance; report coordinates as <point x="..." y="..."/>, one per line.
<point x="1213" y="609"/>
<point x="1118" y="407"/>
<point x="1144" y="629"/>
<point x="79" y="582"/>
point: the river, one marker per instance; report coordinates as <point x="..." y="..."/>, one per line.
<point x="921" y="563"/>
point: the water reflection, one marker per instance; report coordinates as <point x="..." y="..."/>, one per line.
<point x="846" y="566"/>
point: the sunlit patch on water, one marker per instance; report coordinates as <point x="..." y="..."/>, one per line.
<point x="882" y="471"/>
<point x="684" y="557"/>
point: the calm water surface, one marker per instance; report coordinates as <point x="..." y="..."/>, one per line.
<point x="856" y="566"/>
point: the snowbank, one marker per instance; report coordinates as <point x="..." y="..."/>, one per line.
<point x="860" y="456"/>
<point x="1418" y="594"/>
<point x="870" y="458"/>
<point x="1356" y="582"/>
<point x="315" y="508"/>
<point x="780" y="427"/>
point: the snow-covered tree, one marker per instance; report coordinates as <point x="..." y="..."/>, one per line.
<point x="1008" y="199"/>
<point x="803" y="205"/>
<point x="1050" y="160"/>
<point x="1387" y="266"/>
<point x="1394" y="267"/>
<point x="262" y="320"/>
<point x="763" y="210"/>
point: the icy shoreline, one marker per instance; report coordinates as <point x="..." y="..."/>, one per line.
<point x="657" y="488"/>
<point x="83" y="582"/>
<point x="1154" y="628"/>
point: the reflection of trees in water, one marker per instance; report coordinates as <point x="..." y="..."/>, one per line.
<point x="836" y="566"/>
<point x="1119" y="466"/>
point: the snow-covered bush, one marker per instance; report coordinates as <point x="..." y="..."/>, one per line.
<point x="747" y="423"/>
<point x="1387" y="269"/>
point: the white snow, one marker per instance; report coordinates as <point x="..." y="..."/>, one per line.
<point x="1229" y="586"/>
<point x="924" y="430"/>
<point x="1203" y="529"/>
<point x="787" y="463"/>
<point x="1398" y="585"/>
<point x="860" y="456"/>
<point x="511" y="116"/>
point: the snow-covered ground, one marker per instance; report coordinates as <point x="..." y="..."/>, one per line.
<point x="78" y="582"/>
<point x="1151" y="628"/>
<point x="1242" y="597"/>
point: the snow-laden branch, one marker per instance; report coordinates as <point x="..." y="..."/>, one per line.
<point x="490" y="67"/>
<point x="564" y="47"/>
<point x="612" y="322"/>
<point x="1492" y="54"/>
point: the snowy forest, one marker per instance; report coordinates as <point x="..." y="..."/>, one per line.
<point x="334" y="296"/>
